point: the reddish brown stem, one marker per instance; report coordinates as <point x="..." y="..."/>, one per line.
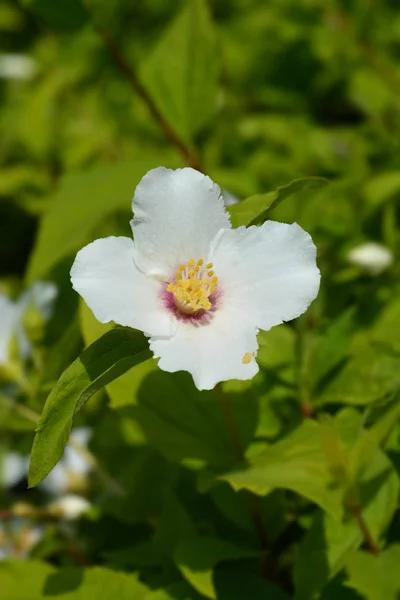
<point x="367" y="535"/>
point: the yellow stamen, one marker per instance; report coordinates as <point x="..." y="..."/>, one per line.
<point x="193" y="286"/>
<point x="246" y="358"/>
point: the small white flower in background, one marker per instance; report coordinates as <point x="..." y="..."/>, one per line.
<point x="371" y="257"/>
<point x="41" y="295"/>
<point x="17" y="66"/>
<point x="198" y="288"/>
<point x="13" y="468"/>
<point x="72" y="468"/>
<point x="70" y="507"/>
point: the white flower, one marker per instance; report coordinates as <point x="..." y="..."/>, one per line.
<point x="13" y="467"/>
<point x="372" y="257"/>
<point x="41" y="295"/>
<point x="70" y="507"/>
<point x="72" y="467"/>
<point x="198" y="288"/>
<point x="17" y="66"/>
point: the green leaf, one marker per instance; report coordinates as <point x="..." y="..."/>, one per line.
<point x="105" y="360"/>
<point x="184" y="423"/>
<point x="21" y="580"/>
<point x="296" y="463"/>
<point x="256" y="209"/>
<point x="368" y="442"/>
<point x="63" y="14"/>
<point x="82" y="202"/>
<point x="197" y="557"/>
<point x="324" y="549"/>
<point x="331" y="348"/>
<point x="236" y="584"/>
<point x="124" y="390"/>
<point x="375" y="577"/>
<point x="181" y="72"/>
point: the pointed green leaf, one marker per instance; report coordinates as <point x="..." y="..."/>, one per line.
<point x="105" y="360"/>
<point x="82" y="202"/>
<point x="375" y="577"/>
<point x="181" y="72"/>
<point x="255" y="209"/>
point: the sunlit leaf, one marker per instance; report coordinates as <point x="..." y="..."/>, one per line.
<point x="181" y="72"/>
<point x="255" y="209"/>
<point x="296" y="463"/>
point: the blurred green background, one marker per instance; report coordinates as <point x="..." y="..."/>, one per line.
<point x="257" y="94"/>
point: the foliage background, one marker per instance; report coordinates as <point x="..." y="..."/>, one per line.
<point x="257" y="94"/>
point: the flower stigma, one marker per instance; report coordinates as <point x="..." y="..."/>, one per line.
<point x="194" y="285"/>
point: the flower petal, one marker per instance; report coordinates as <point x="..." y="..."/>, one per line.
<point x="218" y="351"/>
<point x="105" y="275"/>
<point x="176" y="216"/>
<point x="269" y="273"/>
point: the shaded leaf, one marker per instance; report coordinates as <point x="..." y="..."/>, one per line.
<point x="63" y="14"/>
<point x="197" y="557"/>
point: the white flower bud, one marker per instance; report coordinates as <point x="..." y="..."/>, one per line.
<point x="371" y="257"/>
<point x="70" y="507"/>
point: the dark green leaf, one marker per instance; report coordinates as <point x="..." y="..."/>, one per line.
<point x="63" y="14"/>
<point x="197" y="557"/>
<point x="105" y="360"/>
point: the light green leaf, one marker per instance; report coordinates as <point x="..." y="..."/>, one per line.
<point x="63" y="14"/>
<point x="324" y="549"/>
<point x="296" y="463"/>
<point x="105" y="360"/>
<point x="181" y="73"/>
<point x="21" y="580"/>
<point x="197" y="557"/>
<point x="369" y="440"/>
<point x="331" y="348"/>
<point x="381" y="188"/>
<point x="83" y="200"/>
<point x="375" y="577"/>
<point x="255" y="209"/>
